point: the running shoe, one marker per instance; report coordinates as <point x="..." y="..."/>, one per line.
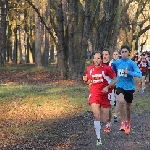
<point x="142" y="91"/>
<point x="115" y="119"/>
<point x="107" y="129"/>
<point x="127" y="129"/>
<point x="122" y="126"/>
<point x="99" y="142"/>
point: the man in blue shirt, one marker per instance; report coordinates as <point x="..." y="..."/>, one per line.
<point x="126" y="70"/>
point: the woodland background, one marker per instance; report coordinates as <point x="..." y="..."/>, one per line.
<point x="45" y="42"/>
<point x="35" y="31"/>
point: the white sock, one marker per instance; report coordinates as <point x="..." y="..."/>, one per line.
<point x="97" y="126"/>
<point x="108" y="124"/>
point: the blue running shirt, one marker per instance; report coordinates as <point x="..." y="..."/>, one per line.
<point x="126" y="81"/>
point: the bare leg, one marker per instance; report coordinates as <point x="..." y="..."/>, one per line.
<point x="105" y="116"/>
<point x="107" y="119"/>
<point x="96" y="111"/>
<point x="128" y="108"/>
<point x="143" y="82"/>
<point x="121" y="105"/>
<point x="117" y="107"/>
<point x="110" y="115"/>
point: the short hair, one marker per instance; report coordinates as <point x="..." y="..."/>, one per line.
<point x="143" y="54"/>
<point x="116" y="51"/>
<point x="106" y="49"/>
<point x="125" y="46"/>
<point x="97" y="52"/>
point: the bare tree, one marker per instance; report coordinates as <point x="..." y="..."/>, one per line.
<point x="109" y="25"/>
<point x="2" y="32"/>
<point x="38" y="62"/>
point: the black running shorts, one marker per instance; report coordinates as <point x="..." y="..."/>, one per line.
<point x="128" y="94"/>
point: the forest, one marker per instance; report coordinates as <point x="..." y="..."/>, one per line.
<point x="41" y="32"/>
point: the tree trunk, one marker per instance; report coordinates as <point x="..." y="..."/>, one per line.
<point x="2" y="32"/>
<point x="38" y="62"/>
<point x="79" y="26"/>
<point x="46" y="14"/>
<point x="61" y="51"/>
<point x="109" y="25"/>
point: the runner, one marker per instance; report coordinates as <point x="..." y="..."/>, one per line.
<point x="98" y="76"/>
<point x="148" y="70"/>
<point x="126" y="69"/>
<point x="115" y="57"/>
<point x="143" y="65"/>
<point x="106" y="61"/>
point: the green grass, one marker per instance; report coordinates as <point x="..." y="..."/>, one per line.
<point x="28" y="68"/>
<point x="24" y="108"/>
<point x="73" y="95"/>
<point x="57" y="97"/>
<point x="142" y="105"/>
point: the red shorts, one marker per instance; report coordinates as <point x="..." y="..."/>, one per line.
<point x="102" y="100"/>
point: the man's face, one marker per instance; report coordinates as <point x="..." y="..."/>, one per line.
<point x="143" y="57"/>
<point x="115" y="55"/>
<point x="124" y="53"/>
<point x="97" y="59"/>
<point x="106" y="56"/>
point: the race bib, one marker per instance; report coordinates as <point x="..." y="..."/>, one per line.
<point x="143" y="64"/>
<point x="121" y="73"/>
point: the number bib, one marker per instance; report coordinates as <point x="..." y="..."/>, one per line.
<point x="121" y="73"/>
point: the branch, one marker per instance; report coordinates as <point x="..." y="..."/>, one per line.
<point x="42" y="20"/>
<point x="141" y="32"/>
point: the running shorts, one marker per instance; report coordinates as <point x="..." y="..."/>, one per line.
<point x="128" y="94"/>
<point x="102" y="100"/>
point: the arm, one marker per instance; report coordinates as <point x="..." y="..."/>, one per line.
<point x="111" y="84"/>
<point x="87" y="77"/>
<point x="112" y="75"/>
<point x="136" y="71"/>
<point x="114" y="68"/>
<point x="86" y="80"/>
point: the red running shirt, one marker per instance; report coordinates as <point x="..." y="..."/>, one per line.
<point x="100" y="77"/>
<point x="143" y="65"/>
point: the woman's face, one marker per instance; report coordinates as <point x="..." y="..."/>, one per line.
<point x="115" y="55"/>
<point x="97" y="59"/>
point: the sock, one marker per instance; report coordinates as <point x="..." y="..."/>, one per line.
<point x="115" y="115"/>
<point x="97" y="126"/>
<point x="108" y="124"/>
<point x="122" y="121"/>
<point x="128" y="121"/>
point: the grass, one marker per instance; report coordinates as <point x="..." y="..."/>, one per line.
<point x="30" y="68"/>
<point x="141" y="104"/>
<point x="54" y="95"/>
<point x="24" y="108"/>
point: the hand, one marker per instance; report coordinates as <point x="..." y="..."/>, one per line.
<point x="85" y="78"/>
<point x="105" y="89"/>
<point x="126" y="71"/>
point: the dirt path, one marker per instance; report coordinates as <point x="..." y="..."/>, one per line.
<point x="77" y="133"/>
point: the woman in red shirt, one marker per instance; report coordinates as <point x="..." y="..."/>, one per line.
<point x="98" y="77"/>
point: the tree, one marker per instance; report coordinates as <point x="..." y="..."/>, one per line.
<point x="38" y="62"/>
<point x="2" y="32"/>
<point x="134" y="22"/>
<point x="108" y="26"/>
